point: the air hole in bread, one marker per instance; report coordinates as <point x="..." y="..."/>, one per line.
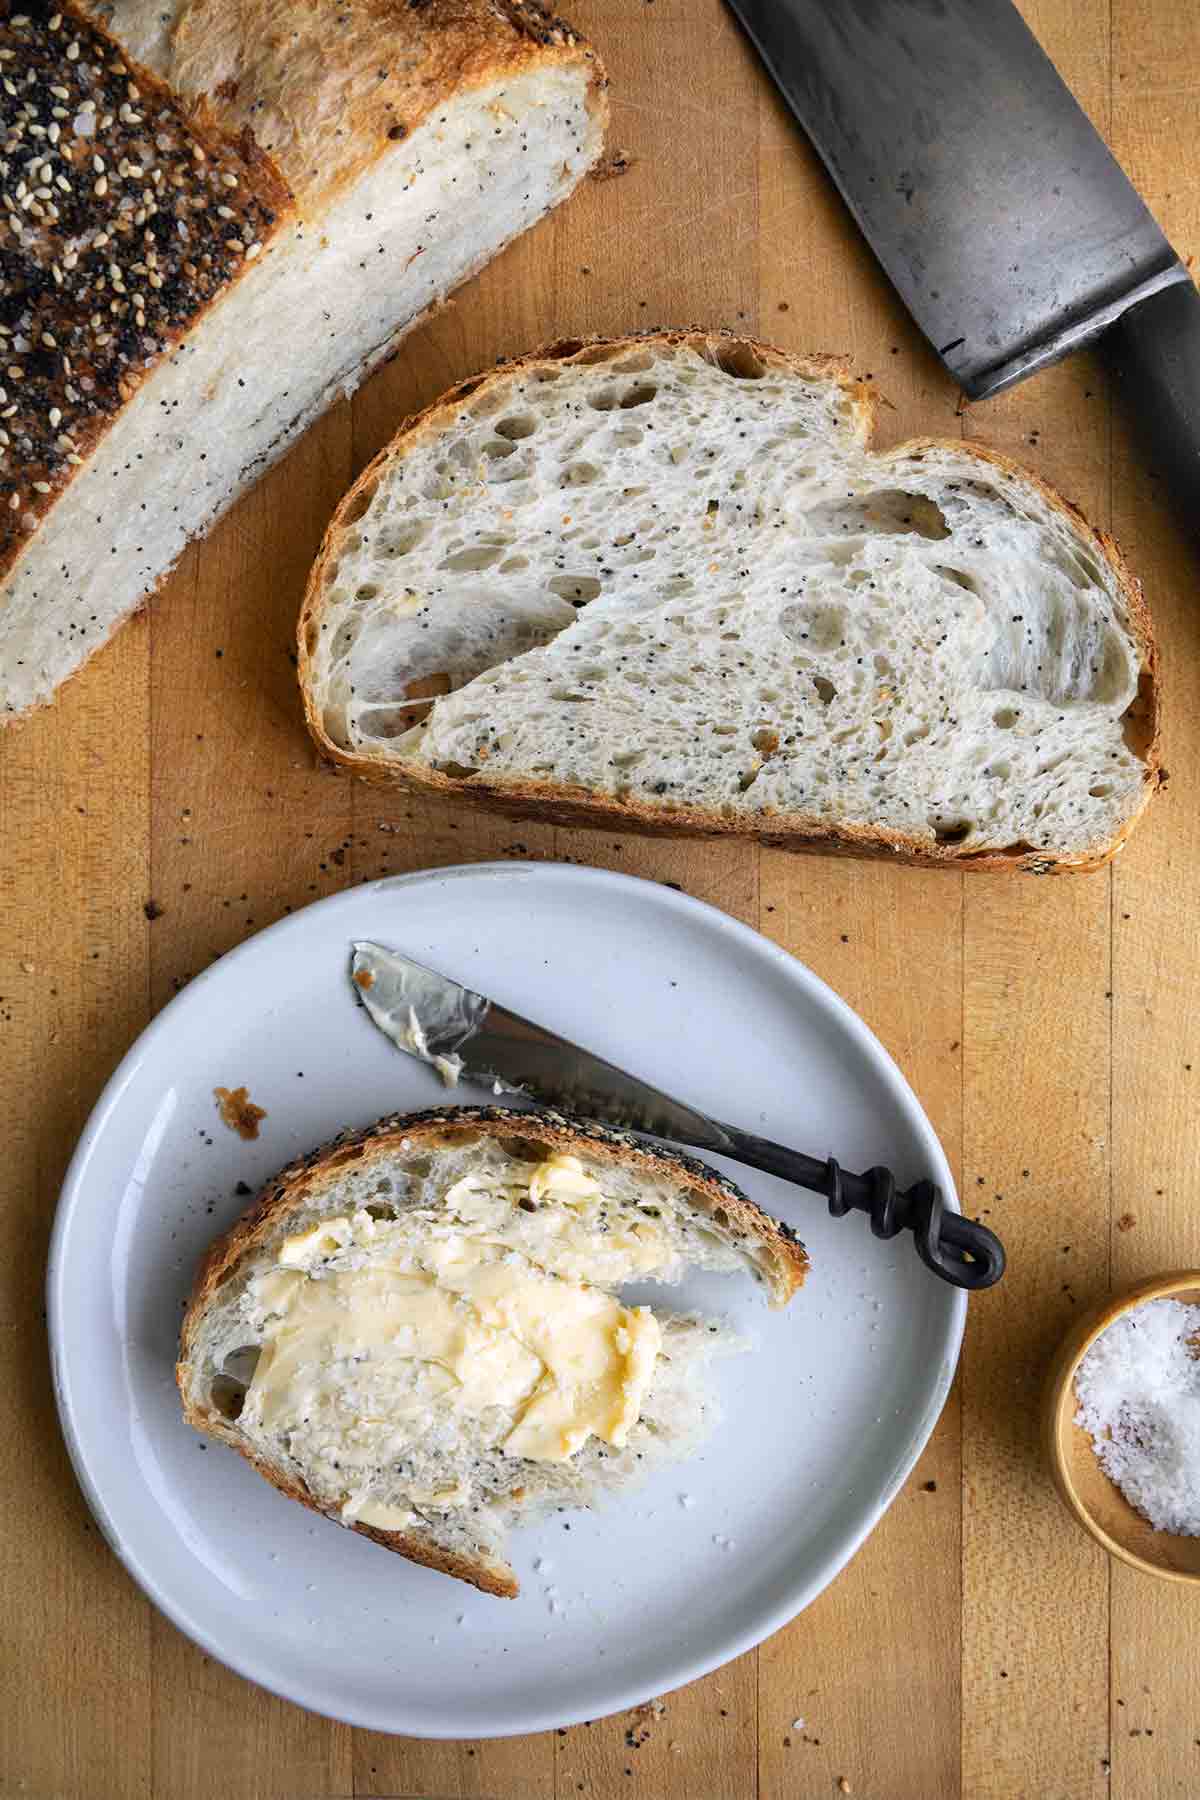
<point x="741" y="361"/>
<point x="593" y="353"/>
<point x="496" y="449"/>
<point x="524" y="1149"/>
<point x="1005" y="717"/>
<point x="890" y="511"/>
<point x="227" y="1397"/>
<point x="481" y="556"/>
<point x="516" y="426"/>
<point x="368" y="591"/>
<point x="580" y="474"/>
<point x="957" y="576"/>
<point x="604" y="399"/>
<point x="634" y="365"/>
<point x="344" y="636"/>
<point x="428" y="687"/>
<point x="1137" y="722"/>
<point x="720" y="1216"/>
<point x="748" y="779"/>
<point x="951" y="831"/>
<point x="403" y="540"/>
<point x="1101" y="790"/>
<point x="378" y="1210"/>
<point x="825" y="689"/>
<point x="765" y="741"/>
<point x="359" y="505"/>
<point x="820" y="624"/>
<point x="640" y="395"/>
<point x="513" y="565"/>
<point x="578" y="589"/>
<point x="384" y="723"/>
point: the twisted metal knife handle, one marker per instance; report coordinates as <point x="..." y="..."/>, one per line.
<point x="959" y="1250"/>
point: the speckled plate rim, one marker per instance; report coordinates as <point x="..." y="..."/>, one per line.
<point x="792" y="1599"/>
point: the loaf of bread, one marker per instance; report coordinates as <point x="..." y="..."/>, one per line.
<point x="416" y="1333"/>
<point x="664" y="583"/>
<point x="218" y="215"/>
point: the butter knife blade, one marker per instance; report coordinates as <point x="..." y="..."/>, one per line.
<point x="466" y="1036"/>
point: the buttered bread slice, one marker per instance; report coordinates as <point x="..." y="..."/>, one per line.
<point x="416" y="1332"/>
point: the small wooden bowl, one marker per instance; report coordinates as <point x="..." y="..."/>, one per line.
<point x="1098" y="1503"/>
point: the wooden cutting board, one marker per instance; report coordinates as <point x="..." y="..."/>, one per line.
<point x="170" y="805"/>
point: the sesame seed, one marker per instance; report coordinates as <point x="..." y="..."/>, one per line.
<point x="101" y="186"/>
<point x="252" y="250"/>
<point x="15" y="372"/>
<point x="228" y="180"/>
<point x="54" y="133"/>
<point x="51" y="341"/>
<point x="60" y="93"/>
<point x="42" y="487"/>
<point x="77" y="460"/>
<point x="198" y="153"/>
<point x="56" y="21"/>
<point x="72" y="52"/>
<point x="8" y="411"/>
<point x="98" y="164"/>
<point x="55" y="415"/>
<point x="226" y="212"/>
<point x="14" y="502"/>
<point x="236" y="245"/>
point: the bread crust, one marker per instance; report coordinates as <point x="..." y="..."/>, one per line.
<point x="328" y="88"/>
<point x="562" y="804"/>
<point x="295" y="103"/>
<point x="289" y="1191"/>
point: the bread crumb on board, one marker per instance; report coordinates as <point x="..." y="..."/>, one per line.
<point x="238" y="1111"/>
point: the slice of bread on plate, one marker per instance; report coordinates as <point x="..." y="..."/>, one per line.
<point x="220" y="215"/>
<point x="416" y="1331"/>
<point x="664" y="583"/>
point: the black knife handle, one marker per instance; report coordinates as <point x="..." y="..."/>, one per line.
<point x="1153" y="352"/>
<point x="959" y="1250"/>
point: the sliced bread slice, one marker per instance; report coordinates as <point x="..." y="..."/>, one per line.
<point x="227" y="214"/>
<point x="416" y="1333"/>
<point x="665" y="583"/>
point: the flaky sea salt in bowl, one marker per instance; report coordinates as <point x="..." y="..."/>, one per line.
<point x="1126" y="1379"/>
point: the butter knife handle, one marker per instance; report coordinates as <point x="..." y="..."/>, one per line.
<point x="1154" y="353"/>
<point x="959" y="1250"/>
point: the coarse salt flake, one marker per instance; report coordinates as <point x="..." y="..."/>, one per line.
<point x="1138" y="1390"/>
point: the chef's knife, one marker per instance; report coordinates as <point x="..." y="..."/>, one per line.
<point x="464" y="1033"/>
<point x="1011" y="234"/>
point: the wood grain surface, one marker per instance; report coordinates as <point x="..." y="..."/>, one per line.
<point x="979" y="1645"/>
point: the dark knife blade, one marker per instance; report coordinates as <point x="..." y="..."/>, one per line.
<point x="1001" y="217"/>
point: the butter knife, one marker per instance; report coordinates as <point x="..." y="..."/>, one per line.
<point x="464" y="1035"/>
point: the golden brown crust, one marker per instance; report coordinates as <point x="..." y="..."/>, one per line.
<point x="558" y="804"/>
<point x="329" y="88"/>
<point x="301" y="1180"/>
<point x="125" y="219"/>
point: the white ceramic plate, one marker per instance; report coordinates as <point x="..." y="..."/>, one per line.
<point x="822" y="1423"/>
